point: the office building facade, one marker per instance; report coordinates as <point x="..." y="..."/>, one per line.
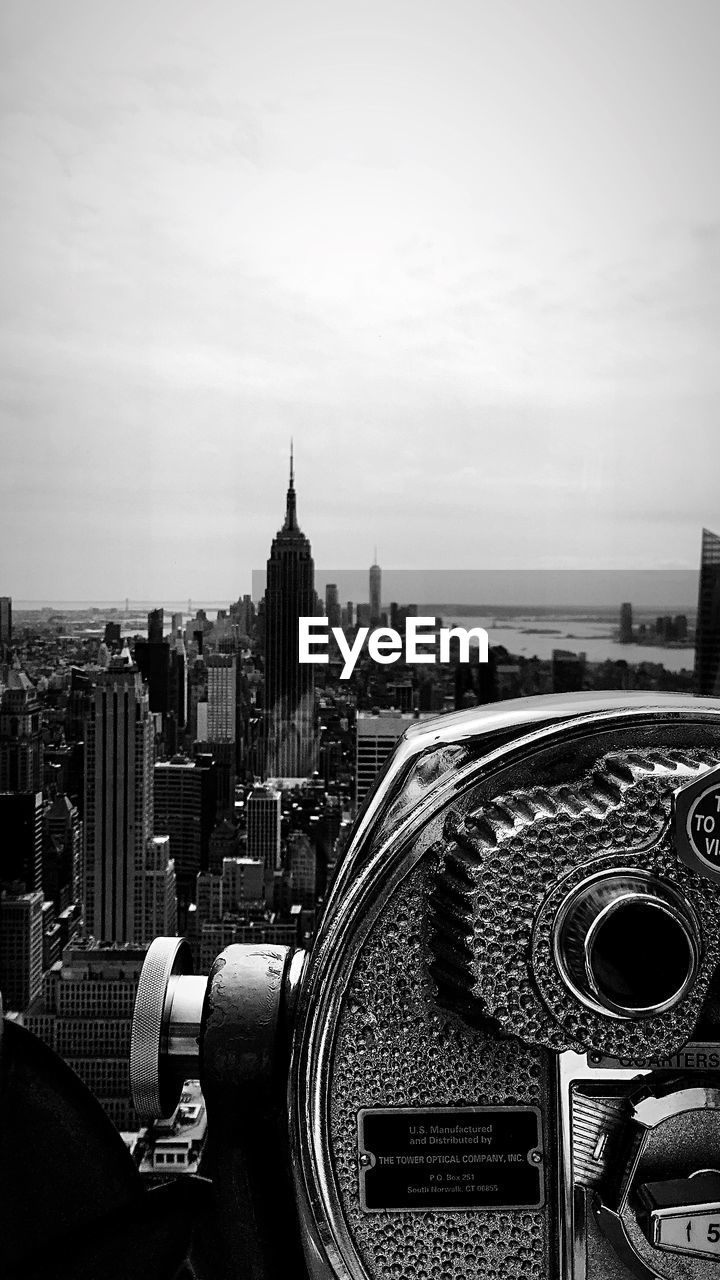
<point x="21" y="748"/>
<point x="376" y="735"/>
<point x="707" y="634"/>
<point x="119" y="760"/>
<point x="263" y="826"/>
<point x="21" y="949"/>
<point x="84" y="1012"/>
<point x="221" y="697"/>
<point x="5" y="625"/>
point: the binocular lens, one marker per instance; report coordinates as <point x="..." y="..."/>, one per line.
<point x="640" y="956"/>
<point x="627" y="944"/>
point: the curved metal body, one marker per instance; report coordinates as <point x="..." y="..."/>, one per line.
<point x="433" y="768"/>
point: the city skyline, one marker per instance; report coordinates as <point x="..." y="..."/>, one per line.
<point x="444" y="590"/>
<point x="469" y="258"/>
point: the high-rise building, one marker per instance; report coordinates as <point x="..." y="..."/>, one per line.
<point x="626" y="623"/>
<point x="185" y="806"/>
<point x="84" y="1012"/>
<point x="242" y="614"/>
<point x="196" y="696"/>
<point x="263" y="826"/>
<point x="62" y="852"/>
<point x="21" y="750"/>
<point x="243" y="880"/>
<point x="568" y="671"/>
<point x="302" y="862"/>
<point x="153" y="660"/>
<point x="21" y="948"/>
<point x="291" y="747"/>
<point x="375" y="593"/>
<point x="21" y="840"/>
<point x="80" y="696"/>
<point x="707" y="633"/>
<point x="159" y="899"/>
<point x="156" y="626"/>
<point x="221" y="692"/>
<point x="179" y="681"/>
<point x="223" y="757"/>
<point x="5" y="624"/>
<point x="118" y="801"/>
<point x="332" y="605"/>
<point x="376" y="735"/>
<point x="224" y="843"/>
<point x="208" y="898"/>
<point x="475" y="683"/>
<point x="162" y="664"/>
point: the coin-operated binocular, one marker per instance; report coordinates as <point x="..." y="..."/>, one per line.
<point x="501" y="1058"/>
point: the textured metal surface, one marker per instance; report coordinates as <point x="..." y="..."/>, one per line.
<point x="509" y="866"/>
<point x="241" y="1021"/>
<point x="395" y="1048"/>
<point x="165" y="956"/>
<point x="244" y="1075"/>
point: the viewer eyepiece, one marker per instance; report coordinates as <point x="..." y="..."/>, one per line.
<point x="627" y="944"/>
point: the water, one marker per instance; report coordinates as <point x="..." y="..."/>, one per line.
<point x="596" y="639"/>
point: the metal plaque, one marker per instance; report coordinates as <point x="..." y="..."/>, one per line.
<point x="450" y="1158"/>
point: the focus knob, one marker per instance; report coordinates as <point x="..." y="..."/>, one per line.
<point x="166" y="1028"/>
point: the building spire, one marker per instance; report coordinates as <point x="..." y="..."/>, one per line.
<point x="290" y="509"/>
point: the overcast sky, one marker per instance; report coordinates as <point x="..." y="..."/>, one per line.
<point x="466" y="253"/>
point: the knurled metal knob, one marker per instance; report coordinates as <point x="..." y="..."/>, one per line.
<point x="152" y="1086"/>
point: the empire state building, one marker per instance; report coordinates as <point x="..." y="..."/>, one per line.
<point x="290" y="749"/>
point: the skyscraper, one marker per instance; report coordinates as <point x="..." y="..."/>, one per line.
<point x="375" y="593"/>
<point x="118" y="802"/>
<point x="185" y="802"/>
<point x="568" y="671"/>
<point x="263" y="826"/>
<point x="5" y="624"/>
<point x="159" y="897"/>
<point x="21" y="755"/>
<point x="62" y="852"/>
<point x="84" y="1012"/>
<point x="376" y="735"/>
<point x="707" y="635"/>
<point x="626" y="623"/>
<point x="221" y="690"/>
<point x="156" y="626"/>
<point x="21" y="840"/>
<point x="21" y="941"/>
<point x="303" y="868"/>
<point x="21" y="783"/>
<point x="332" y="604"/>
<point x="290" y="749"/>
